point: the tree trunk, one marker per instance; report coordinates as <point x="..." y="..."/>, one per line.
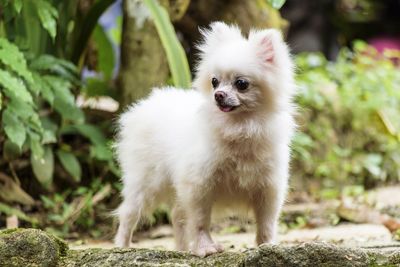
<point x="143" y="61"/>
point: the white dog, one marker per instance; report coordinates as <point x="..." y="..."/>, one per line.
<point x="223" y="145"/>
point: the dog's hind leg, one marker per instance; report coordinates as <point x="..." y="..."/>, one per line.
<point x="129" y="215"/>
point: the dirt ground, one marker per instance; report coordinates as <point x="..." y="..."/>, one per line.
<point x="363" y="227"/>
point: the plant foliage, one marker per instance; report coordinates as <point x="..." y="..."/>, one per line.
<point x="350" y="118"/>
<point x="38" y="90"/>
<point x="177" y="61"/>
<point x="277" y="4"/>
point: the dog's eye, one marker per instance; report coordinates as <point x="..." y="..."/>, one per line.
<point x="215" y="82"/>
<point x="241" y="84"/>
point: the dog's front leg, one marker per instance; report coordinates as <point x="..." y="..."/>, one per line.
<point x="198" y="205"/>
<point x="179" y="224"/>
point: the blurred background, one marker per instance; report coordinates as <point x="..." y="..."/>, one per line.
<point x="67" y="69"/>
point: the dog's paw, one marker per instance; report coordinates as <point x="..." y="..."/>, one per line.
<point x="267" y="244"/>
<point x="207" y="249"/>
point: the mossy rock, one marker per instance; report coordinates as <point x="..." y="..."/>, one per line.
<point x="31" y="247"/>
<point x="308" y="254"/>
<point x="147" y="258"/>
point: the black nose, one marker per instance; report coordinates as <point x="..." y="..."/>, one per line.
<point x="219" y="96"/>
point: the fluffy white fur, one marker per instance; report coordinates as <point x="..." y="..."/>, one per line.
<point x="179" y="147"/>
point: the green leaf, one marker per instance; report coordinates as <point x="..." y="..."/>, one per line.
<point x="93" y="133"/>
<point x="96" y="87"/>
<point x="43" y="168"/>
<point x="277" y="4"/>
<point x="34" y="123"/>
<point x="48" y="16"/>
<point x="17" y="5"/>
<point x="70" y="164"/>
<point x="105" y="50"/>
<point x="47" y="62"/>
<point x="88" y="23"/>
<point x="13" y="87"/>
<point x="14" y="128"/>
<point x="56" y="66"/>
<point x="101" y="152"/>
<point x="13" y="58"/>
<point x="176" y="56"/>
<point x="11" y="151"/>
<point x="100" y="149"/>
<point x="35" y="145"/>
<point x="64" y="101"/>
<point x="21" y="109"/>
<point x="114" y="168"/>
<point x="29" y="24"/>
<point x="50" y="130"/>
<point x="116" y="31"/>
<point x="42" y="86"/>
<point x="372" y="162"/>
<point x="47" y="202"/>
<point x="68" y="111"/>
<point x="61" y="89"/>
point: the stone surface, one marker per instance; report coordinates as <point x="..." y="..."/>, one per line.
<point x="30" y="247"/>
<point x="306" y="254"/>
<point x="145" y="257"/>
<point x="344" y="234"/>
<point x="318" y="254"/>
<point x="386" y="196"/>
<point x="347" y="234"/>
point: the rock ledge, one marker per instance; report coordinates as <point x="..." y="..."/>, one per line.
<point x="32" y="247"/>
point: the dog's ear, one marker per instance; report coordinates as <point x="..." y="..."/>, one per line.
<point x="267" y="44"/>
<point x="217" y="33"/>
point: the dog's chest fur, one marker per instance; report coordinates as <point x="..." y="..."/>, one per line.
<point x="242" y="164"/>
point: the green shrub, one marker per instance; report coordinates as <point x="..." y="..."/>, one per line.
<point x="40" y="121"/>
<point x="349" y="118"/>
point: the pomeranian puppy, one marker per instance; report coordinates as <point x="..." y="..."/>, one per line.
<point x="223" y="145"/>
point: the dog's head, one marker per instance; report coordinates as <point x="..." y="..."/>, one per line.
<point x="243" y="74"/>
